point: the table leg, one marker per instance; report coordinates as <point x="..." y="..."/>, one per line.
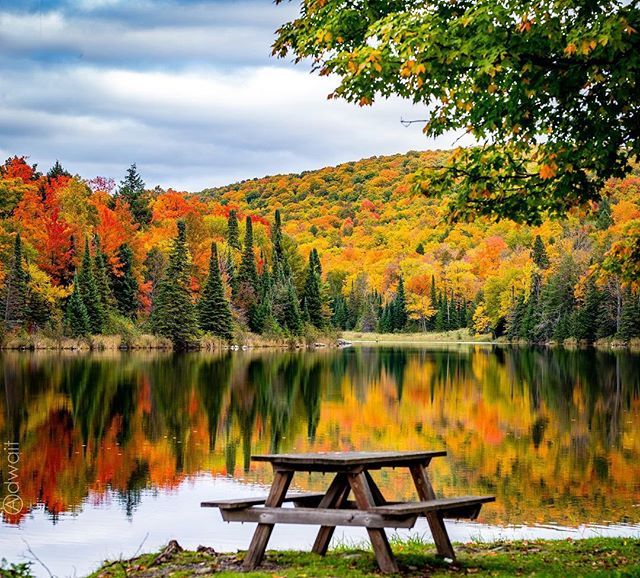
<point x="335" y="497"/>
<point x="281" y="481"/>
<point x="378" y="498"/>
<point x="364" y="499"/>
<point x="436" y="522"/>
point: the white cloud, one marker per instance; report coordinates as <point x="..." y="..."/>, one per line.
<point x="205" y="120"/>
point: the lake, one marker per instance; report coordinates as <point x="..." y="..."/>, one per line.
<point x="113" y="452"/>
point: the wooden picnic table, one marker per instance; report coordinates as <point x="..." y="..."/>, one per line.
<point x="332" y="508"/>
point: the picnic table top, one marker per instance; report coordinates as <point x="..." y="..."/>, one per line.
<point x="332" y="460"/>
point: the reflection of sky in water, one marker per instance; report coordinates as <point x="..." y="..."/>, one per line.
<point x="101" y="531"/>
<point x="552" y="433"/>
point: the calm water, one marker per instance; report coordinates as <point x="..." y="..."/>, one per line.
<point x="117" y="450"/>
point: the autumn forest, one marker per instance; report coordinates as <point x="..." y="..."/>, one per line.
<point x="352" y="247"/>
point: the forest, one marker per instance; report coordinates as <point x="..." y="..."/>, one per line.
<point x="358" y="246"/>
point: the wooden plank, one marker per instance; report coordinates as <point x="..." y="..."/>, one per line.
<point x="281" y="482"/>
<point x="378" y="498"/>
<point x="335" y="497"/>
<point x="259" y="500"/>
<point x="364" y="499"/>
<point x="442" y="504"/>
<point x="345" y="461"/>
<point x="435" y="519"/>
<point x="329" y="517"/>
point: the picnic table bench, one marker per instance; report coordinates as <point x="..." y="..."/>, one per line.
<point x="332" y="508"/>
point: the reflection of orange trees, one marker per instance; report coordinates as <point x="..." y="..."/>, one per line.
<point x="554" y="435"/>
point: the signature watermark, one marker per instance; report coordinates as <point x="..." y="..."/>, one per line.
<point x="12" y="503"/>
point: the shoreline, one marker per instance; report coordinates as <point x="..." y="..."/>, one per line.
<point x="416" y="557"/>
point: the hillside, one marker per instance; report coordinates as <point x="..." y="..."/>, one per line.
<point x="356" y="249"/>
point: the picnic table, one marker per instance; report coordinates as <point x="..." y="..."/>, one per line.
<point x="332" y="508"/>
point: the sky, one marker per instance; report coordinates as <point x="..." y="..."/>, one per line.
<point x="186" y="89"/>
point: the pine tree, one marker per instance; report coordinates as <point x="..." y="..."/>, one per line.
<point x="630" y="316"/>
<point x="433" y="296"/>
<point x="124" y="284"/>
<point x="101" y="273"/>
<point x="539" y="253"/>
<point x="311" y="295"/>
<point x="248" y="274"/>
<point x="603" y="217"/>
<point x="399" y="311"/>
<point x="292" y="317"/>
<point x="515" y="318"/>
<point x="441" y="323"/>
<point x="174" y="314"/>
<point x="132" y="192"/>
<point x="214" y="314"/>
<point x="57" y="170"/>
<point x="586" y="319"/>
<point x="233" y="232"/>
<point x="339" y="319"/>
<point x="15" y="291"/>
<point x="420" y="249"/>
<point x="76" y="317"/>
<point x="89" y="292"/>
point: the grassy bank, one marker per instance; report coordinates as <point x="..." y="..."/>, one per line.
<point x="456" y="336"/>
<point x="589" y="557"/>
<point x="143" y="341"/>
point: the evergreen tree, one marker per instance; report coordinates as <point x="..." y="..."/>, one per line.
<point x="174" y="314"/>
<point x="214" y="314"/>
<point x="558" y="301"/>
<point x="292" y="318"/>
<point x="399" y="311"/>
<point x="420" y="249"/>
<point x="280" y="264"/>
<point x="15" y="291"/>
<point x="233" y="232"/>
<point x="132" y="192"/>
<point x="311" y="295"/>
<point x="586" y="320"/>
<point x="515" y="318"/>
<point x="101" y="273"/>
<point x="248" y="274"/>
<point x="630" y="316"/>
<point x="124" y="284"/>
<point x="603" y="217"/>
<point x="88" y="289"/>
<point x="340" y="315"/>
<point x="57" y="170"/>
<point x="440" y="323"/>
<point x="76" y="319"/>
<point x="433" y="296"/>
<point x="539" y="253"/>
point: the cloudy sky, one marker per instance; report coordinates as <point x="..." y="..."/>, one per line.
<point x="186" y="89"/>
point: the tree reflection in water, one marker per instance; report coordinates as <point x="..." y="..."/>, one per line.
<point x="553" y="433"/>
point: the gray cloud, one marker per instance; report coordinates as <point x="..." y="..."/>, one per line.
<point x="187" y="113"/>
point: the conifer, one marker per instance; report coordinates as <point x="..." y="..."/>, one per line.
<point x="233" y="232"/>
<point x="174" y="314"/>
<point x="88" y="289"/>
<point x="214" y="314"/>
<point x="311" y="295"/>
<point x="399" y="312"/>
<point x="15" y="290"/>
<point x="539" y="253"/>
<point x="132" y="192"/>
<point x="76" y="319"/>
<point x="124" y="284"/>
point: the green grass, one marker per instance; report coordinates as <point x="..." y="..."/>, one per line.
<point x="454" y="336"/>
<point x="594" y="557"/>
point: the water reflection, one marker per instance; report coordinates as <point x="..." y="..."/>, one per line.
<point x="553" y="433"/>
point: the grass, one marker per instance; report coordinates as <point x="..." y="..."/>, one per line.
<point x="455" y="336"/>
<point x="593" y="557"/>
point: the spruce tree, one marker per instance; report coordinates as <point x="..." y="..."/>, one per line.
<point x="420" y="249"/>
<point x="247" y="273"/>
<point x="630" y="316"/>
<point x="233" y="232"/>
<point x="101" y="273"/>
<point x="586" y="320"/>
<point x="291" y="314"/>
<point x="132" y="192"/>
<point x="57" y="170"/>
<point x="76" y="318"/>
<point x="214" y="314"/>
<point x="124" y="284"/>
<point x="433" y="296"/>
<point x="174" y="314"/>
<point x="89" y="292"/>
<point x="539" y="253"/>
<point x="280" y="265"/>
<point x="399" y="313"/>
<point x="311" y="295"/>
<point x="15" y="291"/>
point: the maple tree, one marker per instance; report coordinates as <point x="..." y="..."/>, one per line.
<point x="548" y="90"/>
